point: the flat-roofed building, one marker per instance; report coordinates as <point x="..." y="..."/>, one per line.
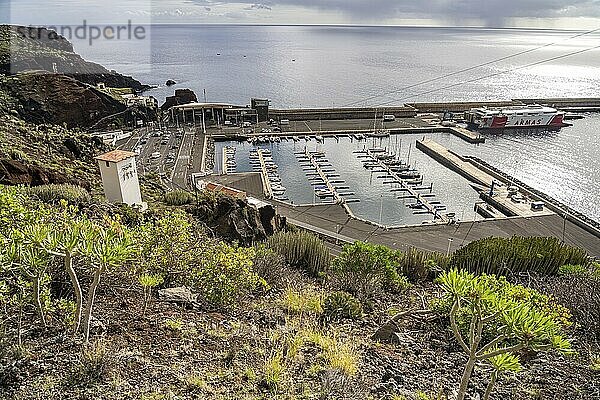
<point x="120" y="177"/>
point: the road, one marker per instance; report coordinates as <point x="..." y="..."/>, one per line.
<point x="179" y="153"/>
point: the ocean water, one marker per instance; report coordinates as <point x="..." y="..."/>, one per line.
<point x="304" y="66"/>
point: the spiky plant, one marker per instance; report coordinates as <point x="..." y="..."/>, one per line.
<point x="542" y="255"/>
<point x="302" y="250"/>
<point x="340" y="305"/>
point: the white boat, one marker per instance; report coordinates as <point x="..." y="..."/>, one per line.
<point x="380" y="133"/>
<point x="532" y="116"/>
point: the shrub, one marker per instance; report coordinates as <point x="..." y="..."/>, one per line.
<point x="517" y="254"/>
<point x="573" y="270"/>
<point x="178" y="198"/>
<point x="580" y="294"/>
<point x="340" y="305"/>
<point x="419" y="265"/>
<point x="269" y="265"/>
<point x="511" y="292"/>
<point x="55" y="193"/>
<point x="170" y="247"/>
<point x="305" y="302"/>
<point x="363" y="269"/>
<point x="95" y="362"/>
<point x="302" y="250"/>
<point x="224" y="275"/>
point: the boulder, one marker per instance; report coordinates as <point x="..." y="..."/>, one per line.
<point x="387" y="333"/>
<point x="171" y="82"/>
<point x="182" y="96"/>
<point x="180" y="295"/>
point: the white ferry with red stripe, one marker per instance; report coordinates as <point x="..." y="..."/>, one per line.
<point x="531" y="116"/>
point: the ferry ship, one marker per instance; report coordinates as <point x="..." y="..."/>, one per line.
<point x="532" y="116"/>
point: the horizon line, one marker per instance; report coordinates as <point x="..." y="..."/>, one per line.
<point x="340" y="25"/>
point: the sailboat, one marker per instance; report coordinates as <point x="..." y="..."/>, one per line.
<point x="378" y="133"/>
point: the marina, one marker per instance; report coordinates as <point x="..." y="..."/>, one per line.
<point x="420" y="170"/>
<point x="391" y="179"/>
<point x="361" y="176"/>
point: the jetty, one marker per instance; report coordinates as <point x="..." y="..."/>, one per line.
<point x="265" y="175"/>
<point x="412" y="191"/>
<point x="501" y="196"/>
<point x="325" y="178"/>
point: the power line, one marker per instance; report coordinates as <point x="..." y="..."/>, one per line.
<point x="470" y="68"/>
<point x="492" y="75"/>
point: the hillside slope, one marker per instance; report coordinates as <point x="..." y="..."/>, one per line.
<point x="20" y="53"/>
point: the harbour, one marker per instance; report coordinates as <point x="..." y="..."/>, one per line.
<point x="404" y="173"/>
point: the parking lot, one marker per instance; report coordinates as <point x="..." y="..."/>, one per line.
<point x="166" y="152"/>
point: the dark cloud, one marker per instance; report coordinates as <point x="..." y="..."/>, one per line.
<point x="493" y="12"/>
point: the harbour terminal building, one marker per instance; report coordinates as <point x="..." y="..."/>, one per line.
<point x="216" y="114"/>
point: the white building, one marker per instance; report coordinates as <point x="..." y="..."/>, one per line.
<point x="144" y="101"/>
<point x="120" y="177"/>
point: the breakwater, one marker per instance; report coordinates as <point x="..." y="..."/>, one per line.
<point x="302" y="114"/>
<point x="588" y="104"/>
<point x="555" y="205"/>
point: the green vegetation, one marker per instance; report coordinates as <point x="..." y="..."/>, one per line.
<point x="492" y="306"/>
<point x="148" y="282"/>
<point x="256" y="327"/>
<point x="341" y="305"/>
<point x="363" y="269"/>
<point x="517" y="254"/>
<point x="178" y="198"/>
<point x="304" y="302"/>
<point x="302" y="250"/>
<point x="55" y="193"/>
<point x="224" y="275"/>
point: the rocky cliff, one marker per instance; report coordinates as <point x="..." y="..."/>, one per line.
<point x="58" y="99"/>
<point x="235" y="220"/>
<point x="37" y="49"/>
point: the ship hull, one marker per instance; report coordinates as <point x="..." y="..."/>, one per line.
<point x="516" y="118"/>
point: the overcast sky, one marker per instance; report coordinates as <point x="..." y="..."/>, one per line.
<point x="574" y="14"/>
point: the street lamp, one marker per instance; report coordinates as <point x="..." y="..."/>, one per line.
<point x="450" y="240"/>
<point x="381" y="209"/>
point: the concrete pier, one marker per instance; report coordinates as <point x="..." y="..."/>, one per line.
<point x="411" y="190"/>
<point x="499" y="194"/>
<point x="462" y="133"/>
<point x="268" y="191"/>
<point x="224" y="160"/>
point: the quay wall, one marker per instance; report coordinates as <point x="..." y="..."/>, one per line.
<point x="340" y="113"/>
<point x="457" y="107"/>
<point x="558" y="207"/>
<point x="564" y="102"/>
